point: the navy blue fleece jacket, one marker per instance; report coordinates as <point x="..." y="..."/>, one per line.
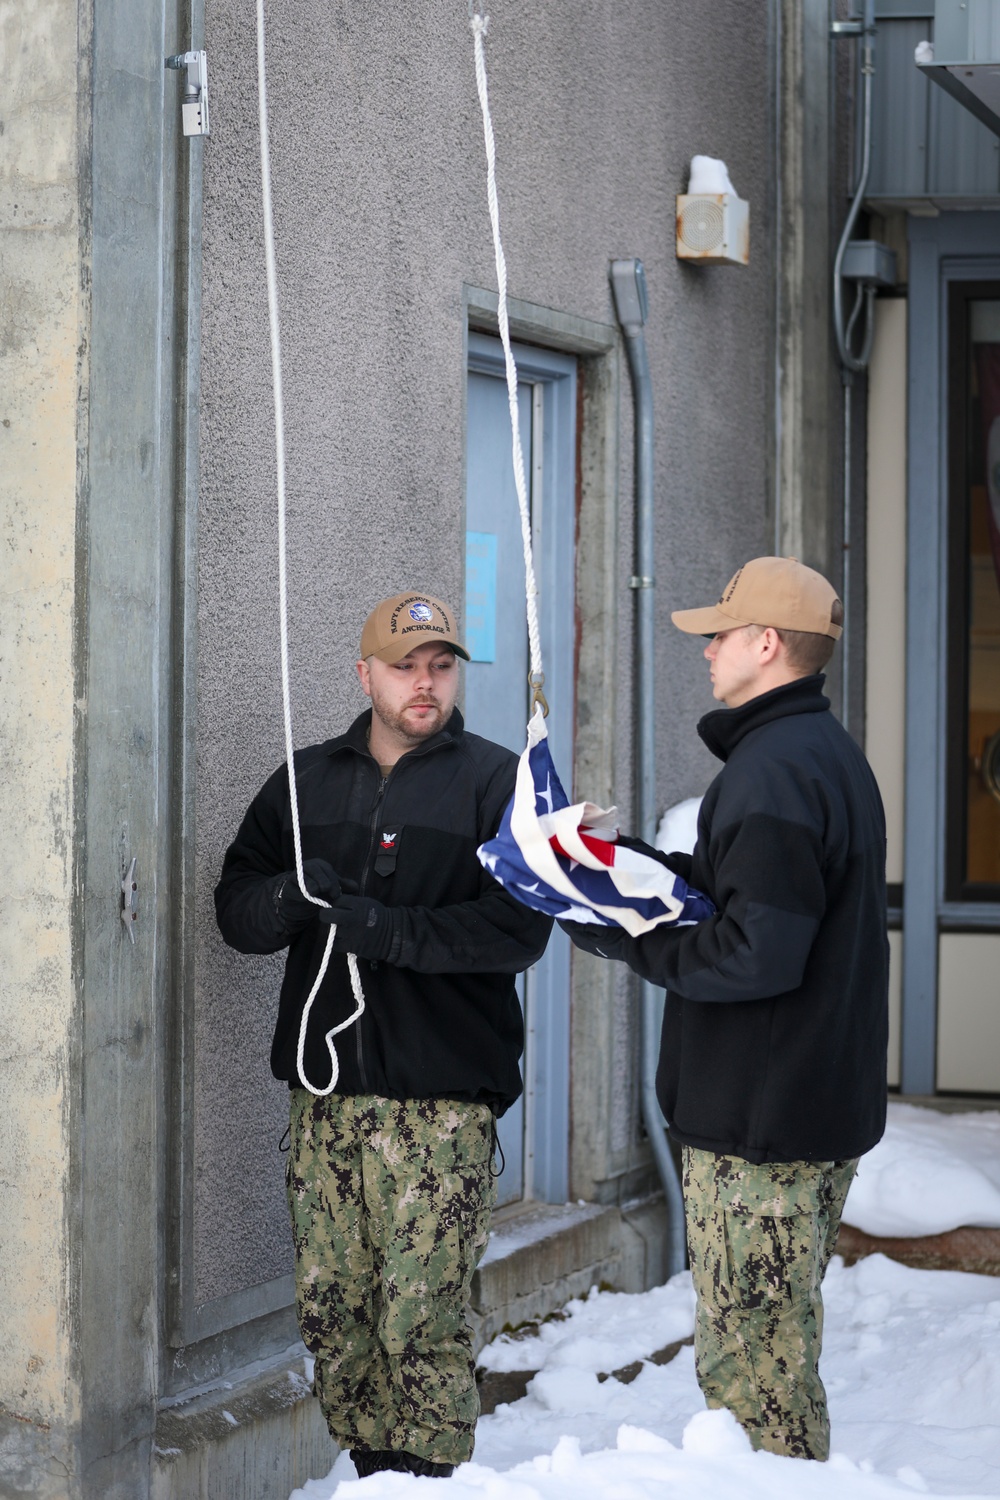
<point x="776" y="1018"/>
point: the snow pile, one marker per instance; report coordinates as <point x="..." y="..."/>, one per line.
<point x="709" y="175"/>
<point x="931" y="1172"/>
<point x="678" y="830"/>
<point x="714" y="1462"/>
<point x="911" y="1364"/>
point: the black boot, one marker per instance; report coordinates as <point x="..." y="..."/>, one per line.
<point x="367" y="1462"/>
<point x="409" y="1463"/>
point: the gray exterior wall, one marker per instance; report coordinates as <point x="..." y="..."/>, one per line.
<point x="380" y="208"/>
<point x="139" y="592"/>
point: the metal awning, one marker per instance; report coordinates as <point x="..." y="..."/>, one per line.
<point x="966" y="56"/>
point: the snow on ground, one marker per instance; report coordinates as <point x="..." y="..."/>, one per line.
<point x="911" y="1363"/>
<point x="912" y="1369"/>
<point x="929" y="1173"/>
<point x="589" y="1339"/>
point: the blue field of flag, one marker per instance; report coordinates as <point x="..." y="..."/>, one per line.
<point x="565" y="860"/>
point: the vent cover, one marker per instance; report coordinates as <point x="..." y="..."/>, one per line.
<point x="702" y="224"/>
<point x="713" y="229"/>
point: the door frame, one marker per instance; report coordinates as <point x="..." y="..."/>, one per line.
<point x="950" y="248"/>
<point x="551" y="467"/>
<point x="606" y="1159"/>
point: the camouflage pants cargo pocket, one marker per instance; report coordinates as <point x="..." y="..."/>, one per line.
<point x="760" y="1240"/>
<point x="390" y="1205"/>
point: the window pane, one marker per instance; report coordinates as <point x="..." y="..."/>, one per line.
<point x="982" y="798"/>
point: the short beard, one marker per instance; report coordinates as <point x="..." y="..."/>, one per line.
<point x="402" y="731"/>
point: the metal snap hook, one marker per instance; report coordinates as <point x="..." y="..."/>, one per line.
<point x="538" y="699"/>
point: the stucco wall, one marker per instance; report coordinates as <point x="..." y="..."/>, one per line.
<point x="381" y="218"/>
<point x="40" y="322"/>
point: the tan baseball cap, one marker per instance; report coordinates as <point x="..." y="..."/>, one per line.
<point x="776" y="591"/>
<point x="398" y="624"/>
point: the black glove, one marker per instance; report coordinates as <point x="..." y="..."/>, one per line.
<point x="294" y="911"/>
<point x="593" y="937"/>
<point x="364" y="926"/>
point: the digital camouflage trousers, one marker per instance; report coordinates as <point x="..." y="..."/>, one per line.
<point x="760" y="1239"/>
<point x="390" y="1204"/>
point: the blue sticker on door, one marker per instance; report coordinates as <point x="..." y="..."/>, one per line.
<point x="481" y="595"/>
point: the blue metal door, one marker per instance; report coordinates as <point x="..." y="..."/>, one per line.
<point x="534" y="1135"/>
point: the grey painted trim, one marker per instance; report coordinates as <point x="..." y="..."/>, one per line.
<point x="124" y="637"/>
<point x="923" y="631"/>
<point x="206" y="1319"/>
<point x="545" y="325"/>
<point x="218" y="1355"/>
<point x="904" y="10"/>
<point x="547" y="1062"/>
<point x="952" y="247"/>
<point x="933" y="203"/>
<point x="180" y="1323"/>
<point x="969" y="916"/>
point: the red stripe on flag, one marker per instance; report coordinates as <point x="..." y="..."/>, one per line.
<point x="600" y="848"/>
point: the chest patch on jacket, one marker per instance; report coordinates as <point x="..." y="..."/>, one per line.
<point x="388" y="847"/>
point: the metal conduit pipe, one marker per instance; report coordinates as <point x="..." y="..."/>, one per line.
<point x="864" y="298"/>
<point x="864" y="295"/>
<point x="628" y="282"/>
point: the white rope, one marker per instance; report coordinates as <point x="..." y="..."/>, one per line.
<point x="279" y="444"/>
<point x="479" y="24"/>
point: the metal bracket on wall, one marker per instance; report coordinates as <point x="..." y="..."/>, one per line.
<point x="130" y="900"/>
<point x="194" y="106"/>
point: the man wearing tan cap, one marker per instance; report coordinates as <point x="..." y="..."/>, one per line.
<point x="772" y="1072"/>
<point x="390" y="1173"/>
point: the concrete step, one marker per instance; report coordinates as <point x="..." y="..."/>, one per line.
<point x="542" y="1255"/>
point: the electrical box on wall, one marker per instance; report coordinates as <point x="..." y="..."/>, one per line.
<point x="713" y="222"/>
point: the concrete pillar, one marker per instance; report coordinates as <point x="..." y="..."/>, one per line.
<point x="43" y="361"/>
<point x="805" y="486"/>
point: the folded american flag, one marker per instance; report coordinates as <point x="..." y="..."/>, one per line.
<point x="566" y="860"/>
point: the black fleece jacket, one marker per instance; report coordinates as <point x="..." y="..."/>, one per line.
<point x="776" y="1018"/>
<point x="442" y="1018"/>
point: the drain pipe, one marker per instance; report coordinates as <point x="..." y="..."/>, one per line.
<point x="628" y="283"/>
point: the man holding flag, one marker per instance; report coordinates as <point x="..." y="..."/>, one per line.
<point x="390" y="1173"/>
<point x="772" y="1073"/>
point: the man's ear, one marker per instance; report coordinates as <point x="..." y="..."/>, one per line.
<point x="770" y="645"/>
<point x="364" y="677"/>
